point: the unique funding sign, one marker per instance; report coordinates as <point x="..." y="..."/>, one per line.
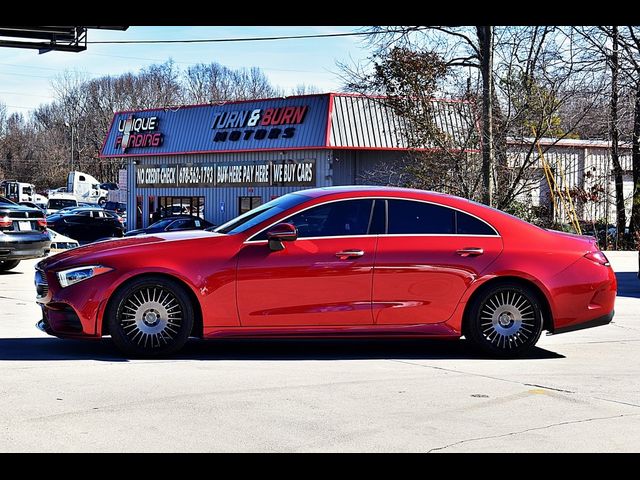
<point x="250" y="174"/>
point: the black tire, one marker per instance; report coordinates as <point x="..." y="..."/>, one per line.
<point x="505" y="320"/>
<point x="8" y="264"/>
<point x="150" y="317"/>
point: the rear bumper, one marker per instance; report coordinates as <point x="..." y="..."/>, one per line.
<point x="23" y="247"/>
<point x="596" y="322"/>
<point x="581" y="296"/>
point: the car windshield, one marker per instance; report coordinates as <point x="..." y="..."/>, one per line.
<point x="62" y="203"/>
<point x="261" y="213"/>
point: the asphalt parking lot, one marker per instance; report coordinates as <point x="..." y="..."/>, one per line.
<point x="577" y="392"/>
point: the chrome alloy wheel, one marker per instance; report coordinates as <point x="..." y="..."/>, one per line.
<point x="507" y="319"/>
<point x="151" y="317"/>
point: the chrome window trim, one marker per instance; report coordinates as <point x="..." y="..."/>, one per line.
<point x="497" y="235"/>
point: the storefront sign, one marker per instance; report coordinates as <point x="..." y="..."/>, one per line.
<point x="138" y="132"/>
<point x="258" y="124"/>
<point x="239" y="174"/>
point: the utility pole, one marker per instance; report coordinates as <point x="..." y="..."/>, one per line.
<point x="614" y="134"/>
<point x="68" y="124"/>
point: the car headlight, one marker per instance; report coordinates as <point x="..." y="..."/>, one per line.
<point x="78" y="274"/>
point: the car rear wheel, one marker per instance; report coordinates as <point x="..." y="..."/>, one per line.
<point x="8" y="264"/>
<point x="505" y="321"/>
<point x="150" y="317"/>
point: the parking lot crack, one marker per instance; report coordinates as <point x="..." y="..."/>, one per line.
<point x="520" y="432"/>
<point x="548" y="388"/>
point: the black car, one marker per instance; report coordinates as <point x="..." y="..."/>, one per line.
<point x="118" y="207"/>
<point x="23" y="234"/>
<point x="86" y="224"/>
<point x="173" y="224"/>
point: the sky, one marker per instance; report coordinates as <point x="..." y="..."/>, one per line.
<point x="25" y="75"/>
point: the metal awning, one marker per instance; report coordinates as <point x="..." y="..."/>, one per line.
<point x="49" y="38"/>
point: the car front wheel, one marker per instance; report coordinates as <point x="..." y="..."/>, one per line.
<point x="150" y="317"/>
<point x="505" y="321"/>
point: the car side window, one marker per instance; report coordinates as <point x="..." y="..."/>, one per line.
<point x="409" y="217"/>
<point x="178" y="224"/>
<point x="334" y="219"/>
<point x="468" y="225"/>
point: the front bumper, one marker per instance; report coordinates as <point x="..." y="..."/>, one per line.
<point x="24" y="247"/>
<point x="70" y="312"/>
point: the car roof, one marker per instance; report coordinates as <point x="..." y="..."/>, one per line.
<point x="85" y="209"/>
<point x="368" y="189"/>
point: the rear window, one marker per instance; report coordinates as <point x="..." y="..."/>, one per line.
<point x="61" y="203"/>
<point x="468" y="225"/>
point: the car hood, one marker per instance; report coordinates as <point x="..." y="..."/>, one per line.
<point x="71" y="257"/>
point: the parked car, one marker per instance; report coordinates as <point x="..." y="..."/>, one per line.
<point x="61" y="242"/>
<point x="87" y="224"/>
<point x="61" y="201"/>
<point x="173" y="224"/>
<point x="23" y="234"/>
<point x="342" y="261"/>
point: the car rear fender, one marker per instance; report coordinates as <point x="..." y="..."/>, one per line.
<point x="457" y="319"/>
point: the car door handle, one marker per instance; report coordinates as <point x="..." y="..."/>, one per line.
<point x="470" y="252"/>
<point x="343" y="255"/>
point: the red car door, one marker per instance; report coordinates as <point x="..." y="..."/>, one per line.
<point x="427" y="260"/>
<point x="322" y="278"/>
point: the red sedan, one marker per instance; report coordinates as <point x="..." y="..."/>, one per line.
<point x="334" y="262"/>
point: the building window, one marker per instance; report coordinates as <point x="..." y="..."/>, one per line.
<point x="169" y="206"/>
<point x="248" y="203"/>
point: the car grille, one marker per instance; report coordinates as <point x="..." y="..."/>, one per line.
<point x="42" y="287"/>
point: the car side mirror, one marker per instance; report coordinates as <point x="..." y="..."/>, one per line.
<point x="282" y="232"/>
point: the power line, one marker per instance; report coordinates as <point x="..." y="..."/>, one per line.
<point x="197" y="63"/>
<point x="254" y="39"/>
<point x="25" y="94"/>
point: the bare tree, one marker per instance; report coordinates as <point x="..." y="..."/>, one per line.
<point x="217" y="83"/>
<point x="529" y="75"/>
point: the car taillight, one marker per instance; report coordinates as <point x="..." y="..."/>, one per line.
<point x="5" y="222"/>
<point x="42" y="222"/>
<point x="598" y="257"/>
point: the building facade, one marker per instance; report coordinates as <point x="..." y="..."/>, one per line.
<point x="582" y="167"/>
